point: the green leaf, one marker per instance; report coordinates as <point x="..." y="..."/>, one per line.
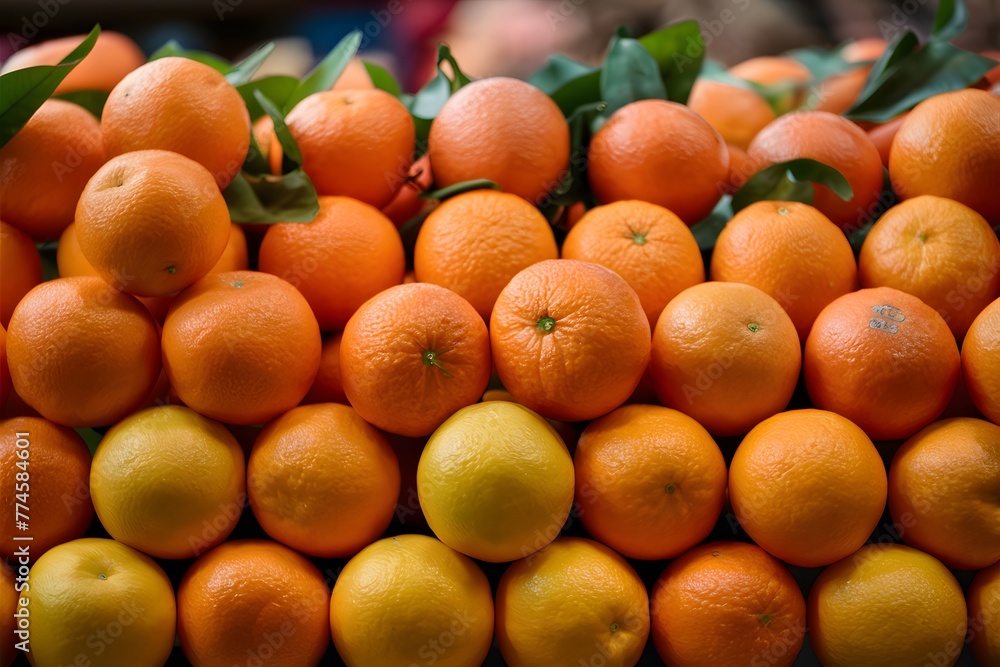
<point x="629" y="74"/>
<point x="950" y="21"/>
<point x="823" y="63"/>
<point x="325" y="74"/>
<point x="272" y="199"/>
<point x="243" y="70"/>
<point x="458" y="77"/>
<point x="91" y="437"/>
<point x="173" y="49"/>
<point x="255" y="163"/>
<point x="275" y="88"/>
<point x="574" y="186"/>
<point x="901" y="46"/>
<point x="938" y="67"/>
<point x="557" y="72"/>
<point x="427" y="103"/>
<point x="707" y="231"/>
<point x="791" y="181"/>
<point x="679" y="51"/>
<point x="23" y="91"/>
<point x="382" y="79"/>
<point x="578" y="92"/>
<point x="459" y="188"/>
<point x="91" y="100"/>
<point x="291" y="155"/>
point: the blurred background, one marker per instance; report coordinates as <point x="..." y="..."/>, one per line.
<point x="488" y="37"/>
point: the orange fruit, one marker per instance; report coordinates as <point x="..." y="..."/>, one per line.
<point x="101" y="600"/>
<point x="82" y="353"/>
<point x="241" y="347"/>
<point x="792" y="252"/>
<point x="495" y="481"/>
<point x="46" y="467"/>
<point x="322" y="480"/>
<point x="4" y="369"/>
<point x="834" y="141"/>
<point x="882" y="136"/>
<point x="569" y="338"/>
<point x="727" y="603"/>
<point x="647" y="245"/>
<point x="860" y="50"/>
<point x="981" y="362"/>
<point x="235" y="256"/>
<point x="407" y="202"/>
<point x="20" y="269"/>
<point x="152" y="222"/>
<point x="785" y="75"/>
<point x="957" y="163"/>
<point x="143" y="502"/>
<point x="8" y="606"/>
<point x="413" y="355"/>
<point x="349" y="253"/>
<point x="253" y="600"/>
<point x="644" y="140"/>
<point x="45" y="167"/>
<point x="984" y="624"/>
<point x="938" y="250"/>
<point x="838" y="92"/>
<point x="808" y="486"/>
<point x="354" y="77"/>
<point x="725" y="354"/>
<point x="411" y="598"/>
<point x="736" y="113"/>
<point x="650" y="481"/>
<point x="177" y="104"/>
<point x="883" y="359"/>
<point x="574" y="602"/>
<point x="354" y="143"/>
<point x="504" y="130"/>
<point x="328" y="387"/>
<point x="114" y="55"/>
<point x="474" y="243"/>
<point x="740" y="169"/>
<point x="887" y="604"/>
<point x="942" y="488"/>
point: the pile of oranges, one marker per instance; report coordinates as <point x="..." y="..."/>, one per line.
<point x="411" y="429"/>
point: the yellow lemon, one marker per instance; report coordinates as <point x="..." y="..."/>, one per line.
<point x="410" y="600"/>
<point x="495" y="481"/>
<point x="98" y="602"/>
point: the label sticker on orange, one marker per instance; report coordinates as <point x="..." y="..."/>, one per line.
<point x="889" y="312"/>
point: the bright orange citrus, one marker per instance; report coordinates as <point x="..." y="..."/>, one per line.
<point x="114" y="55"/>
<point x="20" y="269"/>
<point x="736" y="113"/>
<point x="981" y="362"/>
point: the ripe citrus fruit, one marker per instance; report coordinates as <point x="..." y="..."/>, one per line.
<point x="864" y="49"/>
<point x="354" y="142"/>
<point x="834" y="141"/>
<point x="727" y="603"/>
<point x="46" y="468"/>
<point x="4" y="369"/>
<point x="725" y="354"/>
<point x="328" y="387"/>
<point x="410" y="598"/>
<point x="785" y="76"/>
<point x="569" y="339"/>
<point x="322" y="480"/>
<point x="650" y="481"/>
<point x="882" y="136"/>
<point x="413" y="355"/>
<point x="495" y="482"/>
<point x="838" y="92"/>
<point x="241" y="347"/>
<point x="883" y="359"/>
<point x="143" y="498"/>
<point x="808" y="486"/>
<point x="253" y="602"/>
<point x="20" y="269"/>
<point x="102" y="600"/>
<point x="81" y="352"/>
<point x="736" y="113"/>
<point x="8" y="606"/>
<point x="647" y="245"/>
<point x="981" y="361"/>
<point x="474" y="243"/>
<point x="45" y="167"/>
<point x="958" y="162"/>
<point x="644" y="140"/>
<point x="407" y="202"/>
<point x="114" y="55"/>
<point x="349" y="253"/>
<point x="938" y="250"/>
<point x="177" y="104"/>
<point x="984" y="623"/>
<point x="152" y="222"/>
<point x="942" y="487"/>
<point x="504" y="130"/>
<point x="574" y="602"/>
<point x="887" y="604"/>
<point x="792" y="252"/>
